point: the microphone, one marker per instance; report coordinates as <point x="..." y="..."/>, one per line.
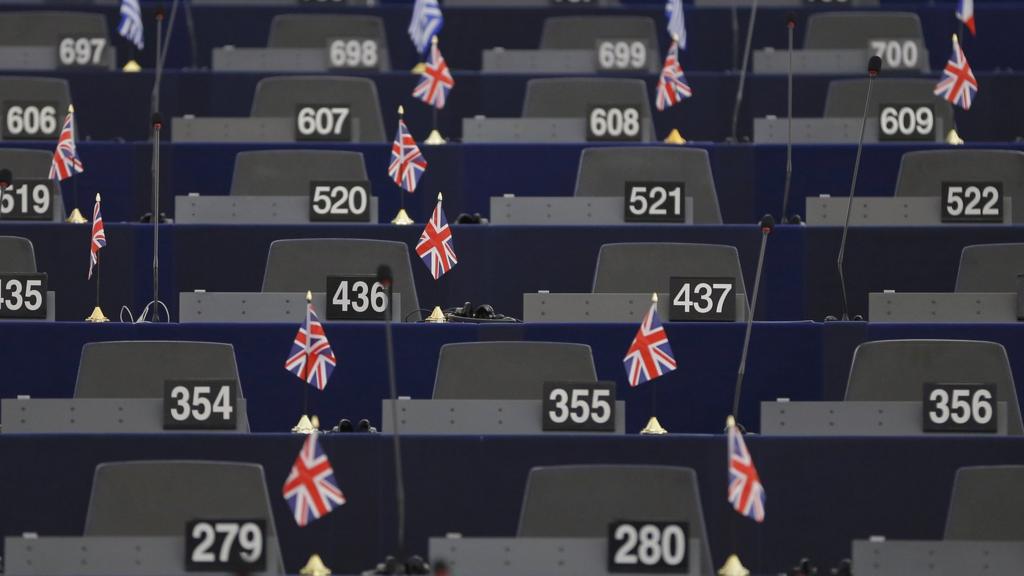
<point x="767" y="225"/>
<point x="874" y="66"/>
<point x="743" y="69"/>
<point x="157" y="123"/>
<point x="790" y="26"/>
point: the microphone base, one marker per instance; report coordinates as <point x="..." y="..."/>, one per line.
<point x="653" y="428"/>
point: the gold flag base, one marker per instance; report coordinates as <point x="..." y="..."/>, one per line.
<point x="402" y="218"/>
<point x="419" y="68"/>
<point x="674" y="137"/>
<point x="76" y="217"/>
<point x="97" y="316"/>
<point x="654" y="427"/>
<point x="132" y="67"/>
<point x="436" y="317"/>
<point x="733" y="567"/>
<point x="435" y="139"/>
<point x="305" y="426"/>
<point x="953" y="138"/>
<point x="315" y="567"/>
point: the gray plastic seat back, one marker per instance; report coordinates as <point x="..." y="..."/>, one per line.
<point x="509" y="370"/>
<point x="987" y="504"/>
<point x="990" y="268"/>
<point x="289" y="172"/>
<point x="36" y="89"/>
<point x="897" y="370"/>
<point x="854" y="30"/>
<point x="581" y="501"/>
<point x="923" y="172"/>
<point x="605" y="172"/>
<point x="646" y="267"/>
<point x="845" y="98"/>
<point x="583" y="32"/>
<point x="280" y="96"/>
<point x="17" y="254"/>
<point x="158" y="498"/>
<point x="46" y="28"/>
<point x="304" y="264"/>
<point x="571" y="97"/>
<point x="315" y="30"/>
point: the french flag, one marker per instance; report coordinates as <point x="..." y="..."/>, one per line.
<point x="965" y="14"/>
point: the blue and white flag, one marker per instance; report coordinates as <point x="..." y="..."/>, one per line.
<point x="676" y="22"/>
<point x="130" y="26"/>
<point x="426" y="22"/>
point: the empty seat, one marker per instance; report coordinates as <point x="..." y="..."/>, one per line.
<point x="897" y="370"/>
<point x="509" y="370"/>
<point x="158" y="498"/>
<point x="845" y="98"/>
<point x="923" y="172"/>
<point x="315" y="30"/>
<point x="990" y="268"/>
<point x="581" y="501"/>
<point x="17" y="254"/>
<point x="583" y="32"/>
<point x="29" y="28"/>
<point x="289" y="172"/>
<point x="572" y="97"/>
<point x="605" y="171"/>
<point x="987" y="504"/>
<point x="301" y="265"/>
<point x="38" y="90"/>
<point x="279" y="96"/>
<point x="853" y="30"/>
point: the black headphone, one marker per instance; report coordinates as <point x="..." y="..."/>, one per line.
<point x="481" y="313"/>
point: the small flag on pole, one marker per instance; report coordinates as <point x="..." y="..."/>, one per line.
<point x="676" y="21"/>
<point x="746" y="494"/>
<point x="958" y="84"/>
<point x="436" y="80"/>
<point x="965" y="14"/>
<point x="310" y="489"/>
<point x="427" y="21"/>
<point x="98" y="236"/>
<point x="672" y="86"/>
<point x="436" y="247"/>
<point x="650" y="355"/>
<point x="311" y="358"/>
<point x="130" y="26"/>
<point x="407" y="162"/>
<point x="66" y="162"/>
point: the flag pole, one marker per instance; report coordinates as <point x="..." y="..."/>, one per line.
<point x="97" y="313"/>
<point x="305" y="425"/>
<point x="434" y="138"/>
<point x="654" y="428"/>
<point x="732" y="566"/>
<point x="402" y="218"/>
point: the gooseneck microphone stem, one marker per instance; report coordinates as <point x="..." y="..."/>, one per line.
<point x="767" y="225"/>
<point x="790" y="25"/>
<point x="743" y="70"/>
<point x="384" y="274"/>
<point x="155" y="216"/>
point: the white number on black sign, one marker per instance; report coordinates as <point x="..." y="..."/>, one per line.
<point x="339" y="201"/>
<point x="28" y="121"/>
<point x="655" y="202"/>
<point x="702" y="299"/>
<point x="896" y="54"/>
<point x="81" y="51"/>
<point x="356" y="298"/>
<point x="648" y="547"/>
<point x="579" y="406"/>
<point x="906" y="122"/>
<point x="621" y="55"/>
<point x="22" y="295"/>
<point x="226" y="545"/>
<point x="960" y="408"/>
<point x="322" y="122"/>
<point x="27" y="201"/>
<point x="963" y="202"/>
<point x="353" y="53"/>
<point x="613" y="123"/>
<point x="199" y="405"/>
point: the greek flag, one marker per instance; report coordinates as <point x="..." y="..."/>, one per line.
<point x="130" y="26"/>
<point x="426" y="22"/>
<point x="676" y="22"/>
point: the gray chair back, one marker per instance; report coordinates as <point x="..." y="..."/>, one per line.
<point x="509" y="370"/>
<point x="279" y="96"/>
<point x="897" y="370"/>
<point x="289" y="172"/>
<point x="158" y="498"/>
<point x="853" y="30"/>
<point x="46" y="28"/>
<point x="581" y="501"/>
<point x="605" y="172"/>
<point x="845" y="98"/>
<point x="304" y="264"/>
<point x="315" y="30"/>
<point x="17" y="254"/>
<point x="923" y="172"/>
<point x="583" y="32"/>
<point x="987" y="504"/>
<point x="572" y="97"/>
<point x="990" y="268"/>
<point x="36" y="89"/>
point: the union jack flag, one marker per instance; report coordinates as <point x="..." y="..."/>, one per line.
<point x="130" y="26"/>
<point x="65" y="158"/>
<point x="650" y="354"/>
<point x="965" y="14"/>
<point x="407" y="163"/>
<point x="436" y="80"/>
<point x="746" y="494"/>
<point x="436" y="247"/>
<point x="958" y="84"/>
<point x="311" y="358"/>
<point x="672" y="86"/>
<point x="427" y="20"/>
<point x="99" y="236"/>
<point x="310" y="489"/>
